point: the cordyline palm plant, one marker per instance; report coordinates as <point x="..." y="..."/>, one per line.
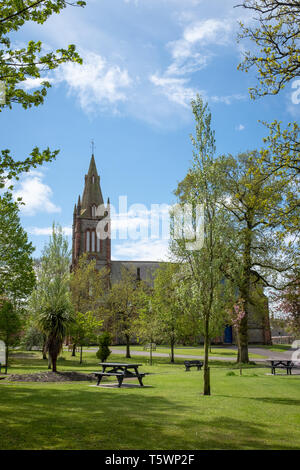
<point x="56" y="316"/>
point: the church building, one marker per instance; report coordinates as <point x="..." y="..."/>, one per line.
<point x="86" y="217"/>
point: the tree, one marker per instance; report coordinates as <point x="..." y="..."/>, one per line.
<point x="277" y="38"/>
<point x="259" y="255"/>
<point x="277" y="62"/>
<point x="104" y="343"/>
<point x="288" y="305"/>
<point x="17" y="277"/>
<point x="10" y="327"/>
<point x="55" y="316"/>
<point x="124" y="302"/>
<point x="50" y="301"/>
<point x="88" y="288"/>
<point x="84" y="329"/>
<point x="29" y="62"/>
<point x="165" y="303"/>
<point x="201" y="289"/>
<point x="32" y="338"/>
<point x="147" y="327"/>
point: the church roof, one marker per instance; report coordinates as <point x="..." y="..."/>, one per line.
<point x="92" y="194"/>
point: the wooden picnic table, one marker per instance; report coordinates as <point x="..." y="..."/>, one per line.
<point x="121" y="371"/>
<point x="281" y="364"/>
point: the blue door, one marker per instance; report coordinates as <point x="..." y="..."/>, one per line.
<point x="228" y="335"/>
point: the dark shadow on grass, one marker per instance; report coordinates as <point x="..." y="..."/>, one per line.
<point x="270" y="400"/>
<point x="89" y="418"/>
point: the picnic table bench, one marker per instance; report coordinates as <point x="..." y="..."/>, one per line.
<point x="150" y="346"/>
<point x="121" y="371"/>
<point x="281" y="364"/>
<point x="189" y="364"/>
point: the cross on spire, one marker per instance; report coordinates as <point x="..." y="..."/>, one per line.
<point x="93" y="146"/>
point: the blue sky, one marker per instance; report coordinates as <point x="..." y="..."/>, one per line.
<point x="144" y="60"/>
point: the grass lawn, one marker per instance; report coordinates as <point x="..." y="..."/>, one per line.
<point x="277" y="347"/>
<point x="252" y="411"/>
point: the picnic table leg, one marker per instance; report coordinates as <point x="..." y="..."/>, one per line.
<point x="99" y="379"/>
<point x="140" y="380"/>
<point x="120" y="380"/>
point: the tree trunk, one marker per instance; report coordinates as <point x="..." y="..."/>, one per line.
<point x="172" y="351"/>
<point x="45" y="349"/>
<point x="6" y="359"/>
<point x="49" y="361"/>
<point x="206" y="374"/>
<point x="54" y="364"/>
<point x="80" y="362"/>
<point x="127" y="347"/>
<point x="243" y="355"/>
<point x="74" y="350"/>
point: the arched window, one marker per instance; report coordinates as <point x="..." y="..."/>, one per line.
<point x="98" y="244"/>
<point x="87" y="240"/>
<point x="93" y="241"/>
<point x="94" y="208"/>
<point x="93" y="179"/>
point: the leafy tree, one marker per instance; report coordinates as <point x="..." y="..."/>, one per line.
<point x="10" y="327"/>
<point x="147" y="327"/>
<point x="123" y="302"/>
<point x="55" y="316"/>
<point x="88" y="288"/>
<point x="277" y="38"/>
<point x="288" y="305"/>
<point x="259" y="255"/>
<point x="28" y="62"/>
<point x="201" y="289"/>
<point x="32" y="338"/>
<point x="17" y="277"/>
<point x="165" y="303"/>
<point x="50" y="301"/>
<point x="104" y="343"/>
<point x="277" y="61"/>
<point x="84" y="329"/>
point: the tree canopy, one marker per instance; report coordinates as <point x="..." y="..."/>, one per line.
<point x="277" y="35"/>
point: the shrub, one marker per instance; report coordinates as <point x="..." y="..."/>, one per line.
<point x="104" y="343"/>
<point x="33" y="338"/>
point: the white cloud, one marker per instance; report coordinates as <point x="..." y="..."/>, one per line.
<point x="186" y="51"/>
<point x="228" y="98"/>
<point x="35" y="194"/>
<point x="175" y="89"/>
<point x="210" y="31"/>
<point x="47" y="230"/>
<point x="96" y="82"/>
<point x="31" y="83"/>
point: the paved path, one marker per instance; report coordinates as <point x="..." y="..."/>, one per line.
<point x="254" y="350"/>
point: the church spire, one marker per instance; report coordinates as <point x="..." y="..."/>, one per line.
<point x="92" y="195"/>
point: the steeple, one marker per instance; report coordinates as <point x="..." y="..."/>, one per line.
<point x="92" y="195"/>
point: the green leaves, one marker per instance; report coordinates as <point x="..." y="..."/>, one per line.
<point x="17" y="277"/>
<point x="277" y="59"/>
